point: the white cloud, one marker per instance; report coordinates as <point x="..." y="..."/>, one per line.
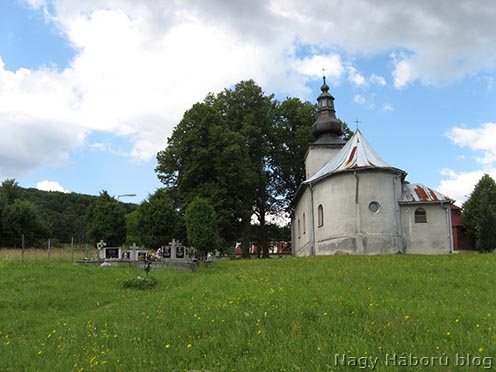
<point x="140" y="64"/>
<point x="127" y="79"/>
<point x="355" y="77"/>
<point x="482" y="139"/>
<point x="447" y="39"/>
<point x="312" y="66"/>
<point x="403" y="74"/>
<point x="50" y="186"/>
<point x="459" y="185"/>
<point x="359" y="99"/>
<point x="387" y="107"/>
<point x="378" y="80"/>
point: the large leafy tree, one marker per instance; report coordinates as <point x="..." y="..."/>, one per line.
<point x="206" y="158"/>
<point x="201" y="226"/>
<point x="244" y="152"/>
<point x="156" y="218"/>
<point x="22" y="218"/>
<point x="251" y="113"/>
<point x="19" y="218"/>
<point x="132" y="231"/>
<point x="479" y="214"/>
<point x="106" y="220"/>
<point x="292" y="125"/>
<point x="9" y="191"/>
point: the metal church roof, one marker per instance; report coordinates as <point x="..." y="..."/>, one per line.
<point x="356" y="154"/>
<point x="418" y="193"/>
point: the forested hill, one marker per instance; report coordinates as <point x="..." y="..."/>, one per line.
<point x="64" y="212"/>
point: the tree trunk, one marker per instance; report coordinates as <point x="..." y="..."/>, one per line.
<point x="263" y="234"/>
<point x="245" y="238"/>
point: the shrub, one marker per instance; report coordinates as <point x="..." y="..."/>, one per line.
<point x="140" y="283"/>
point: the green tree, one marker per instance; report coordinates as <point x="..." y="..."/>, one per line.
<point x="105" y="220"/>
<point x="156" y="220"/>
<point x="19" y="218"/>
<point x="479" y="214"/>
<point x="201" y="226"/>
<point x="22" y="218"/>
<point x="206" y="158"/>
<point x="9" y="191"/>
<point x="292" y="124"/>
<point x="132" y="231"/>
<point x="244" y="152"/>
<point x="251" y="113"/>
<point x="292" y="134"/>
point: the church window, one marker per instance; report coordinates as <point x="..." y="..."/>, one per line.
<point x="304" y="225"/>
<point x="374" y="207"/>
<point x="320" y="215"/>
<point x="420" y="215"/>
<point x="299" y="229"/>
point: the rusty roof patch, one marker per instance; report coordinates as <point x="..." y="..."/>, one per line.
<point x="356" y="154"/>
<point x="418" y="193"/>
<point x="351" y="157"/>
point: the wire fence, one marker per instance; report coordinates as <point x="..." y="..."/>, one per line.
<point x="60" y="252"/>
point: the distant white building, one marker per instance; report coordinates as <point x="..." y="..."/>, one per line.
<point x="353" y="202"/>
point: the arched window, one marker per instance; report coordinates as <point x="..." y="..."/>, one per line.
<point x="299" y="229"/>
<point x="420" y="215"/>
<point x="320" y="215"/>
<point x="304" y="224"/>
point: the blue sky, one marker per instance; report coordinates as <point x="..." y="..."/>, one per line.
<point x="90" y="90"/>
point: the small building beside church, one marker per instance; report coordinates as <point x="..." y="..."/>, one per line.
<point x="353" y="202"/>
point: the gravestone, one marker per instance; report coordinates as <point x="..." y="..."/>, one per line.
<point x="108" y="253"/>
<point x="180" y="251"/>
<point x="112" y="253"/>
<point x="137" y="253"/>
<point x="175" y="251"/>
<point x="166" y="251"/>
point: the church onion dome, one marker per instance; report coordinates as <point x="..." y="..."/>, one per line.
<point x="356" y="154"/>
<point x="327" y="128"/>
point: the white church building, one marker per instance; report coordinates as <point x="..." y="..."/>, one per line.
<point x="353" y="202"/>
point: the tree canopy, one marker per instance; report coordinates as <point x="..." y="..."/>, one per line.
<point x="240" y="149"/>
<point x="106" y="221"/>
<point x="156" y="219"/>
<point x="479" y="214"/>
<point x="243" y="151"/>
<point x="201" y="226"/>
<point x="19" y="219"/>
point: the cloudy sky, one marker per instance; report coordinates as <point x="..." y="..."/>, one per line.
<point x="91" y="89"/>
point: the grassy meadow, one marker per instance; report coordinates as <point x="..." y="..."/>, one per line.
<point x="334" y="313"/>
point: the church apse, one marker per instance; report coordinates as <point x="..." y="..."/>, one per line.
<point x="356" y="203"/>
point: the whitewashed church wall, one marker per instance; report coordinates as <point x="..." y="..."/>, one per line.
<point x="317" y="156"/>
<point x="351" y="228"/>
<point x="301" y="226"/>
<point x="381" y="229"/>
<point x="337" y="197"/>
<point x="433" y="237"/>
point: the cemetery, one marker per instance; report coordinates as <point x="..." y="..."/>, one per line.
<point x="173" y="256"/>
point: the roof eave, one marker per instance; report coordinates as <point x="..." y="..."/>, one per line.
<point x="398" y="171"/>
<point x="299" y="192"/>
<point x="444" y="201"/>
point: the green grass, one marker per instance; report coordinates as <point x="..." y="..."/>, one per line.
<point x="293" y="314"/>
